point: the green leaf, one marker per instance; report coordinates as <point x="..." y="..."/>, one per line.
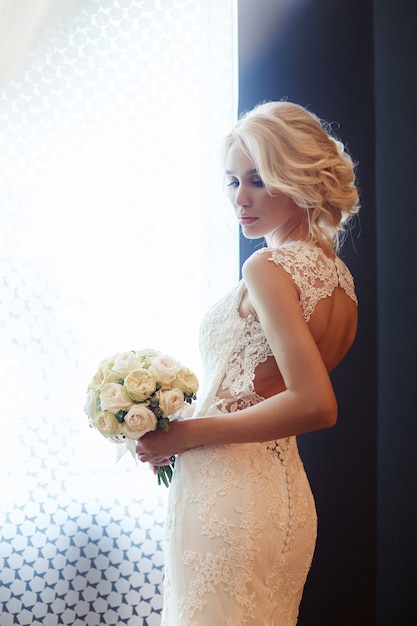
<point x="120" y="416"/>
<point x="163" y="423"/>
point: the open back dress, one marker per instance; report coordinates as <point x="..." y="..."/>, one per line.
<point x="241" y="522"/>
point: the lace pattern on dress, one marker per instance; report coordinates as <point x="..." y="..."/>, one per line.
<point x="251" y="349"/>
<point x="315" y="274"/>
<point x="278" y="447"/>
<point x="253" y="559"/>
<point x="219" y="334"/>
<point x="233" y="346"/>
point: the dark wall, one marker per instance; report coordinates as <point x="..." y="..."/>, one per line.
<point x="354" y="62"/>
<point x="319" y="53"/>
<point x="396" y="161"/>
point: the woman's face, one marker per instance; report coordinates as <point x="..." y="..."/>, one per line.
<point x="259" y="214"/>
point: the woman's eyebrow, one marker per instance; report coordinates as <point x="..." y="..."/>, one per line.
<point x="248" y="173"/>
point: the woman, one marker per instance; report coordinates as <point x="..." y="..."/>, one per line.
<point x="241" y="525"/>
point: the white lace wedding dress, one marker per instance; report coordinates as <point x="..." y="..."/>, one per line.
<point x="241" y="525"/>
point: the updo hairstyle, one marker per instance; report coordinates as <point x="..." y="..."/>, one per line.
<point x="295" y="153"/>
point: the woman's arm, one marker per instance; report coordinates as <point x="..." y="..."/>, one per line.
<point x="308" y="402"/>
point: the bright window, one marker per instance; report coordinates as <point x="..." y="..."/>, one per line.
<point x="115" y="234"/>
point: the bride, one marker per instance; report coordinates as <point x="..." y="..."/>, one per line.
<point x="241" y="522"/>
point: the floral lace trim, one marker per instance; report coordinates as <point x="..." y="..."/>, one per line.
<point x="230" y="405"/>
<point x="315" y="274"/>
<point x="280" y="447"/>
<point x="251" y="349"/>
<point x="219" y="333"/>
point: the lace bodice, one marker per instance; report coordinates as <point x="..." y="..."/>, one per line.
<point x="233" y="346"/>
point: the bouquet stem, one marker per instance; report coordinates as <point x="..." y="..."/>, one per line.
<point x="165" y="472"/>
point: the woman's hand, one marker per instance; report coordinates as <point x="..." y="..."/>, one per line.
<point x="158" y="446"/>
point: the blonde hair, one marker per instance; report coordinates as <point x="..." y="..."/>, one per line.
<point x="295" y="153"/>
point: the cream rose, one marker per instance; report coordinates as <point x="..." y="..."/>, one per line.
<point x="104" y="375"/>
<point x="114" y="398"/>
<point x="186" y="380"/>
<point x="107" y="424"/>
<point x="164" y="368"/>
<point x="171" y="402"/>
<point x="139" y="384"/>
<point x="125" y="362"/>
<point x="139" y="421"/>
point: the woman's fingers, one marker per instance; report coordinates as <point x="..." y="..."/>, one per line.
<point x="146" y="457"/>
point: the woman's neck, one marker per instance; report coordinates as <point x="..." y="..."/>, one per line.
<point x="294" y="229"/>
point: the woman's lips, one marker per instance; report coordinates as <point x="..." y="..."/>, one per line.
<point x="247" y="221"/>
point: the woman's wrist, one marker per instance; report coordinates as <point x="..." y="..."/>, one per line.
<point x="189" y="433"/>
<point x="205" y="431"/>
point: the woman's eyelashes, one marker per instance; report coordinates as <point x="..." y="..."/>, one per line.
<point x="255" y="181"/>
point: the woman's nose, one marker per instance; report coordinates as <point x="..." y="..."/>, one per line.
<point x="242" y="197"/>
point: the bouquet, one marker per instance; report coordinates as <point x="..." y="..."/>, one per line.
<point x="138" y="391"/>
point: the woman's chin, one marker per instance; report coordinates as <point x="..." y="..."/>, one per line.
<point x="251" y="233"/>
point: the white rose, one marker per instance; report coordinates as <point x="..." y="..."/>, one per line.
<point x="139" y="384"/>
<point x="104" y="375"/>
<point x="164" y="368"/>
<point x="171" y="402"/>
<point x="107" y="362"/>
<point x="114" y="398"/>
<point x="147" y="353"/>
<point x="125" y="362"/>
<point x="186" y="380"/>
<point x="146" y="356"/>
<point x="90" y="406"/>
<point x="139" y="421"/>
<point x="107" y="424"/>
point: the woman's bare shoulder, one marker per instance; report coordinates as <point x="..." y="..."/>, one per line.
<point x="268" y="266"/>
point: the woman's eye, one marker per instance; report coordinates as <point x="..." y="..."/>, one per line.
<point x="232" y="183"/>
<point x="258" y="182"/>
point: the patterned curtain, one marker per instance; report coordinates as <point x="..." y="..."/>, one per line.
<point x="115" y="234"/>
